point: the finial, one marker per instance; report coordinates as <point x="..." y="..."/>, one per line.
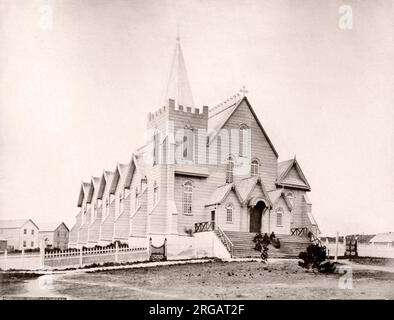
<point x="295" y="157"/>
<point x="243" y="91"/>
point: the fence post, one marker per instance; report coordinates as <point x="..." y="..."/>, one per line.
<point x="336" y="247"/>
<point x="80" y="257"/>
<point x="42" y="255"/>
<point x="116" y="251"/>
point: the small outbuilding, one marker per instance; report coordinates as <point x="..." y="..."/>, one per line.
<point x="383" y="239"/>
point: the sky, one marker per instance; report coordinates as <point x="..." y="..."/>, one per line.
<point x="75" y="91"/>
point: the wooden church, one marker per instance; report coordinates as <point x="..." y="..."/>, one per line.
<point x="206" y="180"/>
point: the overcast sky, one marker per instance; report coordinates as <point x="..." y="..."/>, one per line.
<point x="74" y="94"/>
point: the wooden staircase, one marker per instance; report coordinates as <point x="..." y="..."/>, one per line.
<point x="243" y="245"/>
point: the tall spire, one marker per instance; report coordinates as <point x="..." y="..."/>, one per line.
<point x="178" y="87"/>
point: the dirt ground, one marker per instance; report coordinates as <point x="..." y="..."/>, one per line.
<point x="225" y="280"/>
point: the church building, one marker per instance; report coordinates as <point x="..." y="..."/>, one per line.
<point x="201" y="171"/>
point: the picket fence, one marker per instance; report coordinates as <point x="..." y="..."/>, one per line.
<point x="72" y="258"/>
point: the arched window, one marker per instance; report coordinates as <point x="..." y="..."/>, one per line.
<point x="254" y="168"/>
<point x="243" y="140"/>
<point x="155" y="193"/>
<point x="121" y="197"/>
<point x="187" y="144"/>
<point x="187" y="197"/>
<point x="279" y="216"/>
<point x="229" y="170"/>
<point x="229" y="213"/>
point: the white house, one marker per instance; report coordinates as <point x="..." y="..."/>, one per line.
<point x="54" y="234"/>
<point x="383" y="239"/>
<point x="20" y="234"/>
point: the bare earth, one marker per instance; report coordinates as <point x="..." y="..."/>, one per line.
<point x="224" y="280"/>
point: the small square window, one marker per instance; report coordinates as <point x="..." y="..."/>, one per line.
<point x="32" y="244"/>
<point x="32" y="231"/>
<point x="24" y="231"/>
<point x="24" y="244"/>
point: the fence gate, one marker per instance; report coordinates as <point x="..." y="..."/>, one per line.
<point x="157" y="253"/>
<point x="351" y="247"/>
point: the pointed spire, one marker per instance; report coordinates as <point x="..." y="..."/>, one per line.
<point x="178" y="87"/>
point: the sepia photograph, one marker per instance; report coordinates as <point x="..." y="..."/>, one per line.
<point x="196" y="150"/>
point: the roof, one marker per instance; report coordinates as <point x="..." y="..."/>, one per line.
<point x="106" y="177"/>
<point x="220" y="117"/>
<point x="94" y="185"/>
<point x="242" y="188"/>
<point x="84" y="192"/>
<point x="284" y="168"/>
<point x="219" y="194"/>
<point x="50" y="226"/>
<point x="275" y="196"/>
<point x="121" y="171"/>
<point x="178" y="87"/>
<point x="383" y="237"/>
<point x="14" y="224"/>
<point x="137" y="162"/>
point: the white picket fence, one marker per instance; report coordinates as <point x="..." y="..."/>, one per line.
<point x="75" y="258"/>
<point x="363" y="250"/>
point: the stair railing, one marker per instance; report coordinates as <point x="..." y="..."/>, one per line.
<point x="225" y="240"/>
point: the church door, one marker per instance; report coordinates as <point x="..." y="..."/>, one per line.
<point x="255" y="218"/>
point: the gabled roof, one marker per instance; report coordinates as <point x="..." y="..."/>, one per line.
<point x="121" y="171"/>
<point x="137" y="162"/>
<point x="14" y="224"/>
<point x="383" y="237"/>
<point x="284" y="168"/>
<point x="275" y="195"/>
<point x="218" y="120"/>
<point x="84" y="192"/>
<point x="106" y="178"/>
<point x="51" y="226"/>
<point x="219" y="194"/>
<point x="243" y="190"/>
<point x="94" y="185"/>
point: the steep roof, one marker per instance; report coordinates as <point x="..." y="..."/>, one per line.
<point x="284" y="169"/>
<point x="275" y="195"/>
<point x="14" y="224"/>
<point x="222" y="113"/>
<point x="94" y="185"/>
<point x="242" y="188"/>
<point x="84" y="192"/>
<point x="50" y="226"/>
<point x="136" y="163"/>
<point x="178" y="87"/>
<point x="383" y="237"/>
<point x="121" y="171"/>
<point x="106" y="178"/>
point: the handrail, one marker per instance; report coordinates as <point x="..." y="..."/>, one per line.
<point x="307" y="232"/>
<point x="204" y="226"/>
<point x="226" y="241"/>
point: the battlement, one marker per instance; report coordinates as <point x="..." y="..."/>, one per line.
<point x="180" y="110"/>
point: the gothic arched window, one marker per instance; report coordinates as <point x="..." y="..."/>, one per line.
<point x="290" y="197"/>
<point x="187" y="197"/>
<point x="229" y="213"/>
<point x="229" y="170"/>
<point x="156" y="148"/>
<point x="254" y="168"/>
<point x="243" y="140"/>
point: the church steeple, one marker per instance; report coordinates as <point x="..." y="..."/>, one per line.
<point x="178" y="87"/>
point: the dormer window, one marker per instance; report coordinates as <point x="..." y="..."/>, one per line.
<point x="155" y="193"/>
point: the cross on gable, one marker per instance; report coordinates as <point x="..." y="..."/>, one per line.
<point x="243" y="91"/>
